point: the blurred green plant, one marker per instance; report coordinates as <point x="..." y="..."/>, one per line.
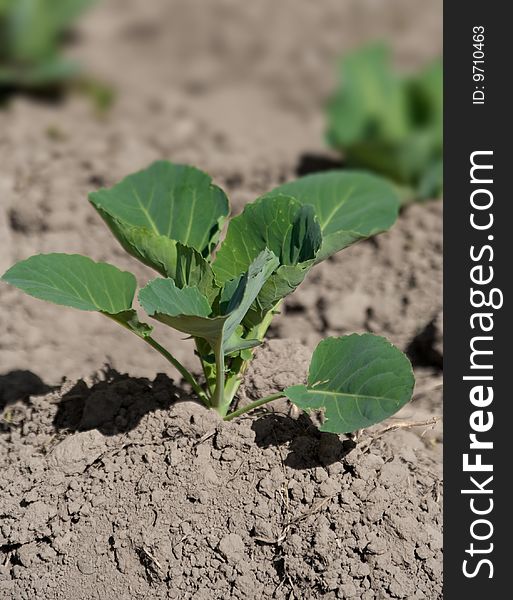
<point x="31" y="34"/>
<point x="390" y="123"/>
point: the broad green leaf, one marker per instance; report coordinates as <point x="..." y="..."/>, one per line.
<point x="177" y="202"/>
<point x="277" y="222"/>
<point x="356" y="380"/>
<point x="350" y="206"/>
<point x="155" y="251"/>
<point x="188" y="310"/>
<point x="74" y="280"/>
<point x="162" y="296"/>
<point x="281" y="224"/>
<point x="172" y="259"/>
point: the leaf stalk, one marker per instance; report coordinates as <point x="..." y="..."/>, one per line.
<point x="218" y="400"/>
<point x="187" y="375"/>
<point x="253" y="405"/>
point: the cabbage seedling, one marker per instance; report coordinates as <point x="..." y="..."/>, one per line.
<point x="390" y="123"/>
<point x="224" y="295"/>
<point x="31" y="33"/>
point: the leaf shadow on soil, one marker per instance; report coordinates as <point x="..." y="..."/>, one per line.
<point x="18" y="385"/>
<point x="307" y="446"/>
<point x="316" y="162"/>
<point x="51" y="95"/>
<point x="114" y="404"/>
<point x="422" y="350"/>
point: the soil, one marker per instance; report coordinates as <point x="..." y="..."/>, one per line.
<point x="116" y="485"/>
<point x="114" y="488"/>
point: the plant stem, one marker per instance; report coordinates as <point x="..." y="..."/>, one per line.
<point x="208" y="379"/>
<point x="218" y="401"/>
<point x="238" y="366"/>
<point x="253" y="405"/>
<point x="189" y="377"/>
<point x="233" y="381"/>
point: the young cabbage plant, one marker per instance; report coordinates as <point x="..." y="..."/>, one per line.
<point x="31" y="33"/>
<point x="224" y="295"/>
<point x="390" y="123"/>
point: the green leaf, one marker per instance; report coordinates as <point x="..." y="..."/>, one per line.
<point x="426" y="97"/>
<point x="306" y="236"/>
<point x="283" y="225"/>
<point x="387" y="122"/>
<point x="192" y="270"/>
<point x="236" y="343"/>
<point x="130" y="320"/>
<point x="169" y="202"/>
<point x="156" y="251"/>
<point x="162" y="296"/>
<point x="281" y="283"/>
<point x="349" y="205"/>
<point x="371" y="101"/>
<point x="356" y="380"/>
<point x="74" y="280"/>
<point x="405" y="163"/>
<point x="277" y="222"/>
<point x="189" y="311"/>
<point x="30" y="30"/>
<point x="172" y="259"/>
<point x="248" y="289"/>
<point x="46" y="73"/>
<point x="431" y="183"/>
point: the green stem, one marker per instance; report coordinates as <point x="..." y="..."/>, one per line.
<point x="218" y="397"/>
<point x="208" y="379"/>
<point x="239" y="366"/>
<point x="189" y="377"/>
<point x="260" y="330"/>
<point x="253" y="405"/>
<point x="233" y="381"/>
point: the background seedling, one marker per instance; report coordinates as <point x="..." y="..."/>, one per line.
<point x="390" y="123"/>
<point x="31" y="36"/>
<point x="225" y="295"/>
